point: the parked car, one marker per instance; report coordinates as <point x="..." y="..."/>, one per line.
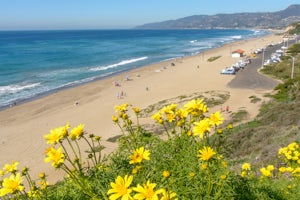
<point x="258" y="51"/>
<point x="230" y="71"/>
<point x="267" y="62"/>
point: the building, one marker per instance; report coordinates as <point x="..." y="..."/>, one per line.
<point x="237" y="53"/>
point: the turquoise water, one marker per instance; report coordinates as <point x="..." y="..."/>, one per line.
<point x="34" y="63"/>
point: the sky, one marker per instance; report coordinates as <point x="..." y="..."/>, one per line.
<point x="118" y="14"/>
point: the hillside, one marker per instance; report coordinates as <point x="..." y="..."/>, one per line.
<point x="263" y="20"/>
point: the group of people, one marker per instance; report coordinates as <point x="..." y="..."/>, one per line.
<point x="121" y="95"/>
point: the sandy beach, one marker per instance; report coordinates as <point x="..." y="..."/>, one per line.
<point x="23" y="126"/>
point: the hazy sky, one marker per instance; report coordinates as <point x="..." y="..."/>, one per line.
<point x="99" y="14"/>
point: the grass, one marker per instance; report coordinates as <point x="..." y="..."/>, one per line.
<point x="239" y="116"/>
<point x="212" y="98"/>
<point x="254" y="99"/>
<point x="211" y="59"/>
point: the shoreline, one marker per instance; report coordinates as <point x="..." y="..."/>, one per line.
<point x="24" y="125"/>
<point x="81" y="82"/>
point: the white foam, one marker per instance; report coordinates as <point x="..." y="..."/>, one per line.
<point x="12" y="89"/>
<point x="236" y="37"/>
<point x="123" y="62"/>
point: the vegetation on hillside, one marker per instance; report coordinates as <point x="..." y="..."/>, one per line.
<point x="258" y="20"/>
<point x="191" y="163"/>
<point x="295" y="29"/>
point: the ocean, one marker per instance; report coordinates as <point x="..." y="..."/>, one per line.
<point x="35" y="63"/>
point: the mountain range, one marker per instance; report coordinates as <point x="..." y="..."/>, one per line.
<point x="260" y="20"/>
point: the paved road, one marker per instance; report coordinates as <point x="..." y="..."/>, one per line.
<point x="250" y="78"/>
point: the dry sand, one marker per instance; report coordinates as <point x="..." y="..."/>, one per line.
<point x="22" y="127"/>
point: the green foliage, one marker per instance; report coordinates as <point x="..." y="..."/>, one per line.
<point x="296" y="29"/>
<point x="294" y="49"/>
<point x="288" y="91"/>
<point x="254" y="99"/>
<point x="239" y="116"/>
<point x="283" y="70"/>
<point x="211" y="59"/>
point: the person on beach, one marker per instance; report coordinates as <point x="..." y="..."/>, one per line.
<point x="227" y="108"/>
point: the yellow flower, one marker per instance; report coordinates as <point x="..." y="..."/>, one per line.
<point x="206" y="153"/>
<point x="42" y="175"/>
<point x="169" y="109"/>
<point x="57" y="134"/>
<point x="293" y="146"/>
<point x="223" y="177"/>
<point x="270" y="167"/>
<point x="282" y="169"/>
<point x="196" y="107"/>
<point x="289" y="169"/>
<point x="224" y="164"/>
<point x="76" y="132"/>
<point x="115" y="119"/>
<point x="34" y="193"/>
<point x="192" y="174"/>
<point x="265" y="172"/>
<point x="171" y="117"/>
<point x="189" y="133"/>
<point x="121" y="108"/>
<point x="243" y="174"/>
<point x="166" y="174"/>
<point x="202" y="127"/>
<point x="181" y="113"/>
<point x="56" y="156"/>
<point x="11" y="185"/>
<point x="296" y="171"/>
<point x="24" y="170"/>
<point x="146" y="191"/>
<point x="44" y="184"/>
<point x="158" y="118"/>
<point x="204" y="166"/>
<point x="139" y="155"/>
<point x="136" y="110"/>
<point x="168" y="195"/>
<point x="230" y="126"/>
<point x="120" y="188"/>
<point x="124" y="116"/>
<point x="246" y="166"/>
<point x="136" y="169"/>
<point x="216" y="118"/>
<point x="11" y="168"/>
<point x="220" y="157"/>
<point x="219" y="131"/>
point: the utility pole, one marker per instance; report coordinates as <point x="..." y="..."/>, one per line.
<point x="293" y="65"/>
<point x="263" y="58"/>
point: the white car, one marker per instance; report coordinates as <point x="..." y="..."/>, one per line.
<point x="228" y="71"/>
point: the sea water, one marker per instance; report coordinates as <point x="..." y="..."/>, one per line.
<point x="35" y="63"/>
